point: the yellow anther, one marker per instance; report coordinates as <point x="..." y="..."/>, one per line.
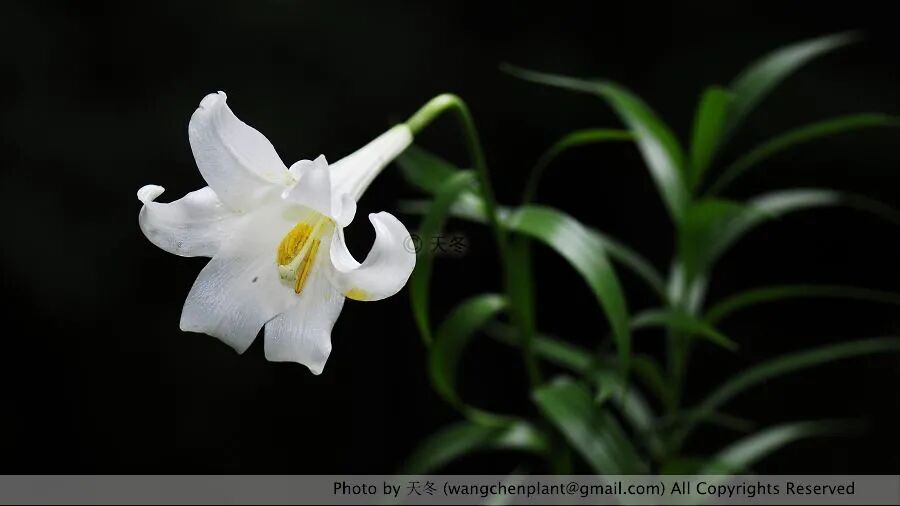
<point x="296" y="253"/>
<point x="293" y="243"/>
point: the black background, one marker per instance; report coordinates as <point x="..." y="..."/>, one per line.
<point x="97" y="378"/>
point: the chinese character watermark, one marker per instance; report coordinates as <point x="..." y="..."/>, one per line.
<point x="419" y="488"/>
<point x="444" y="244"/>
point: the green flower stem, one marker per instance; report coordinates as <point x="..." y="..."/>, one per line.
<point x="418" y="121"/>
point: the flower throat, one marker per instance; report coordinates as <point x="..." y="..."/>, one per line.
<point x="297" y="251"/>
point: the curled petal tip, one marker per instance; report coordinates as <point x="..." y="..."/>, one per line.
<point x="212" y="99"/>
<point x="149" y="193"/>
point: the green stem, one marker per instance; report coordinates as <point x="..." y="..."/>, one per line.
<point x="686" y="294"/>
<point x="422" y="118"/>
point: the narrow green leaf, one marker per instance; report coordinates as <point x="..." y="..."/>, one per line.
<point x="800" y="135"/>
<point x="435" y="174"/>
<point x="467" y="437"/>
<point x="779" y="203"/>
<point x="705" y="228"/>
<point x="520" y="287"/>
<point x="760" y="78"/>
<point x="711" y="226"/>
<point x="432" y="223"/>
<point x="628" y="400"/>
<point x="709" y="129"/>
<point x="556" y="351"/>
<point x="586" y="254"/>
<point x="789" y="363"/>
<point x="632" y="260"/>
<point x="425" y="170"/>
<point x="777" y="293"/>
<point x="768" y="206"/>
<point x="592" y="431"/>
<point x="661" y="151"/>
<point x="632" y="405"/>
<point x="574" y="139"/>
<point x="682" y="322"/>
<point x="741" y="455"/>
<point x="431" y="173"/>
<point x="450" y="340"/>
<point x="581" y="361"/>
<point x="651" y="374"/>
<point x="607" y="381"/>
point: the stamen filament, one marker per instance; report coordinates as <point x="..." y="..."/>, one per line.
<point x="296" y="254"/>
<point x="306" y="266"/>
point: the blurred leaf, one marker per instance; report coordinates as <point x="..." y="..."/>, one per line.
<point x="581" y="361"/>
<point x="682" y="322"/>
<point x="777" y="293"/>
<point x="637" y="412"/>
<point x="555" y="351"/>
<point x="778" y="203"/>
<point x="744" y="453"/>
<point x="785" y="364"/>
<point x="592" y="431"/>
<point x="659" y="147"/>
<point x="625" y="256"/>
<point x="628" y="400"/>
<point x="760" y="78"/>
<point x="431" y="173"/>
<point x="706" y="227"/>
<point x="436" y="173"/>
<point x="803" y="134"/>
<point x="424" y="170"/>
<point x="632" y="405"/>
<point x="709" y="129"/>
<point x="563" y="353"/>
<point x="768" y="206"/>
<point x="431" y="225"/>
<point x="586" y="254"/>
<point x="648" y="370"/>
<point x="711" y="226"/>
<point x="464" y="438"/>
<point x="520" y="287"/>
<point x="608" y="381"/>
<point x="450" y="340"/>
<point x="574" y="139"/>
<point x="632" y="260"/>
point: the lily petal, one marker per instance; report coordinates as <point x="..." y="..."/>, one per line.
<point x="194" y="225"/>
<point x="303" y="333"/>
<point x="355" y="172"/>
<point x="386" y="268"/>
<point x="233" y="298"/>
<point x="237" y="161"/>
<point x="313" y="190"/>
<point x="240" y="289"/>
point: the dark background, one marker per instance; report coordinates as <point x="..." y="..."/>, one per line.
<point x="97" y="378"/>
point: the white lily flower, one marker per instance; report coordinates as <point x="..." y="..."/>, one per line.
<point x="275" y="236"/>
